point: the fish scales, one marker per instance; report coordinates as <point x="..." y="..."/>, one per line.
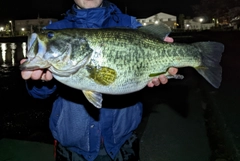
<point x="134" y="64"/>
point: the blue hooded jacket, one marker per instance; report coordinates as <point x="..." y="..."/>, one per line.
<point x="74" y="122"/>
<point x="103" y="17"/>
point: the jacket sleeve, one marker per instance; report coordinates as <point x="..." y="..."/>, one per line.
<point x="119" y="19"/>
<point x="134" y="23"/>
<point x="39" y="89"/>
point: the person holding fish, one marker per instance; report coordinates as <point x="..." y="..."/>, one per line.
<point x="83" y="132"/>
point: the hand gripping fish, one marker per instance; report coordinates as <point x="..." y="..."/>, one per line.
<point x="117" y="60"/>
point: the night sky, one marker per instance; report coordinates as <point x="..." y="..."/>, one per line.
<point x="27" y="9"/>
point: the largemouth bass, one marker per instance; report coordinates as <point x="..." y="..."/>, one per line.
<point x="117" y="60"/>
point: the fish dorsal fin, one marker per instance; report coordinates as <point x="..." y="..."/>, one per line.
<point x="160" y="30"/>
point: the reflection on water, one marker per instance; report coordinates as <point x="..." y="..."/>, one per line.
<point x="24" y="49"/>
<point x="12" y="53"/>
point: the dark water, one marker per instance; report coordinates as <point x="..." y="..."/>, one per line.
<point x="12" y="53"/>
<point x="21" y="117"/>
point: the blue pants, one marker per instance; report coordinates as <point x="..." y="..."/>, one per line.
<point x="128" y="152"/>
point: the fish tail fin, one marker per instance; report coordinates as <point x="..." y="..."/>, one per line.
<point x="210" y="68"/>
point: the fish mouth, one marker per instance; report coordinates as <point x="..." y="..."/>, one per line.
<point x="34" y="64"/>
<point x="35" y="55"/>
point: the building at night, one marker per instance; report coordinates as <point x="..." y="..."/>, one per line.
<point x="168" y="19"/>
<point x="22" y="27"/>
<point x="191" y="24"/>
<point x="235" y="22"/>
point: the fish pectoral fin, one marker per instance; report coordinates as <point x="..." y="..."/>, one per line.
<point x="102" y="75"/>
<point x="94" y="97"/>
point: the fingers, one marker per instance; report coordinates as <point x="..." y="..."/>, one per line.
<point x="172" y="70"/>
<point x="26" y="74"/>
<point x="151" y="84"/>
<point x="36" y="74"/>
<point x="162" y="79"/>
<point x="168" y="39"/>
<point x="23" y="60"/>
<point x="47" y="76"/>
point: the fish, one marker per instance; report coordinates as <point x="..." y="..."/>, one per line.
<point x="118" y="61"/>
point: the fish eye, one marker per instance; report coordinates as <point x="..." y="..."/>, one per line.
<point x="50" y="35"/>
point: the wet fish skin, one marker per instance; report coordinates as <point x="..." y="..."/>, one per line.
<point x="118" y="61"/>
